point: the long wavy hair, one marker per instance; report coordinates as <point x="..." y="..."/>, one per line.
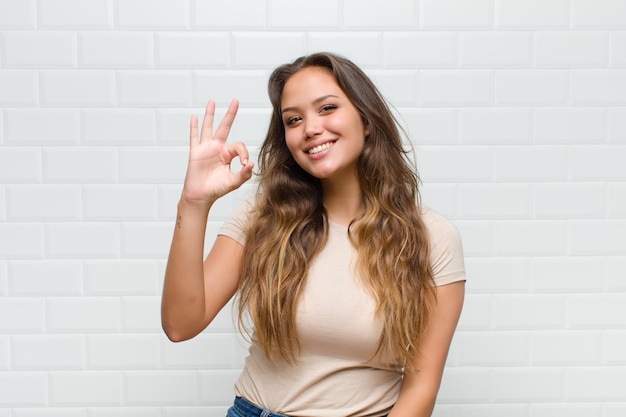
<point x="289" y="226"/>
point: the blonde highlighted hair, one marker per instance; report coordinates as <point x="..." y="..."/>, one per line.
<point x="289" y="226"/>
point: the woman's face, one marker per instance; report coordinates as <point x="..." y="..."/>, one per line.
<point x="323" y="129"/>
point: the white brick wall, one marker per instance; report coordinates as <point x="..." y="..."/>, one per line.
<point x="517" y="109"/>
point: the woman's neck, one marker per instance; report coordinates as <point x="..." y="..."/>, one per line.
<point x="342" y="200"/>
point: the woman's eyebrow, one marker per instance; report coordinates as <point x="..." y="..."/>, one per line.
<point x="317" y="100"/>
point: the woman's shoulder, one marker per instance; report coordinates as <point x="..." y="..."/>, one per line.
<point x="436" y="223"/>
<point x="446" y="248"/>
<point x="236" y="224"/>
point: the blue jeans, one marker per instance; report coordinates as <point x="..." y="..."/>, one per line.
<point x="243" y="408"/>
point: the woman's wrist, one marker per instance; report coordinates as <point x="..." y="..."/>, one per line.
<point x="191" y="206"/>
<point x="194" y="212"/>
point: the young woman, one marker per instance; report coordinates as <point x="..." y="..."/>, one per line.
<point x="352" y="290"/>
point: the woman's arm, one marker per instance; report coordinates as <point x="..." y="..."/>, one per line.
<point x="194" y="290"/>
<point x="419" y="389"/>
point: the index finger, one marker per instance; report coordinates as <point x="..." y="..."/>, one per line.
<point x="223" y="129"/>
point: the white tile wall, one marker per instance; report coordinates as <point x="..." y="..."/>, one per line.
<point x="22" y="316"/>
<point x="310" y="14"/>
<point x="117" y="49"/>
<point x="230" y="14"/>
<point x="151" y="14"/>
<point x="428" y="49"/>
<point x="125" y="351"/>
<point x="80" y="164"/>
<point x="180" y="50"/>
<point x="46" y="277"/>
<point x="33" y="126"/>
<point x="598" y="87"/>
<point x="617" y="125"/>
<point x="3" y="278"/>
<point x="24" y="389"/>
<point x="257" y="50"/>
<point x="606" y="14"/>
<point x="534" y="384"/>
<point x="617" y="54"/>
<point x="122" y="277"/>
<point x="531" y="88"/>
<point x="455" y="88"/>
<point x="42" y="49"/>
<point x="532" y="14"/>
<point x="76" y="14"/>
<point x="86" y="388"/>
<point x="359" y="14"/>
<point x="495" y="50"/>
<point x="571" y="50"/>
<point x="18" y="88"/>
<point x="456" y="14"/>
<point x="75" y="88"/>
<point x="57" y="352"/>
<point x="617" y="200"/>
<point x="43" y="202"/>
<point x="21" y="240"/>
<point x="570" y="125"/>
<point x="17" y="14"/>
<point x="495" y="126"/>
<point x="82" y="240"/>
<point x="517" y="109"/>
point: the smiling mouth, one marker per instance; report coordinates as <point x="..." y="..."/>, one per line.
<point x="320" y="148"/>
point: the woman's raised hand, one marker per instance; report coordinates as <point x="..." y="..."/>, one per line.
<point x="209" y="174"/>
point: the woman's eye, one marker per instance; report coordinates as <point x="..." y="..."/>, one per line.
<point x="291" y="121"/>
<point x="329" y="107"/>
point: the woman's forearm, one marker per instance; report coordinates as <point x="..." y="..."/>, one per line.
<point x="417" y="405"/>
<point x="183" y="302"/>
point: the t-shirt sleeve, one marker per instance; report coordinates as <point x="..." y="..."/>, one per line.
<point x="446" y="249"/>
<point x="235" y="226"/>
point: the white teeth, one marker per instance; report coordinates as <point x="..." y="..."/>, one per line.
<point x="319" y="148"/>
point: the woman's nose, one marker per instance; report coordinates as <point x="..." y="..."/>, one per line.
<point x="312" y="127"/>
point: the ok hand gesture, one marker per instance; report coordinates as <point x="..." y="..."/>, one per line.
<point x="209" y="174"/>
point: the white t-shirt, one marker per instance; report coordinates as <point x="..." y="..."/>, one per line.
<point x="337" y="373"/>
